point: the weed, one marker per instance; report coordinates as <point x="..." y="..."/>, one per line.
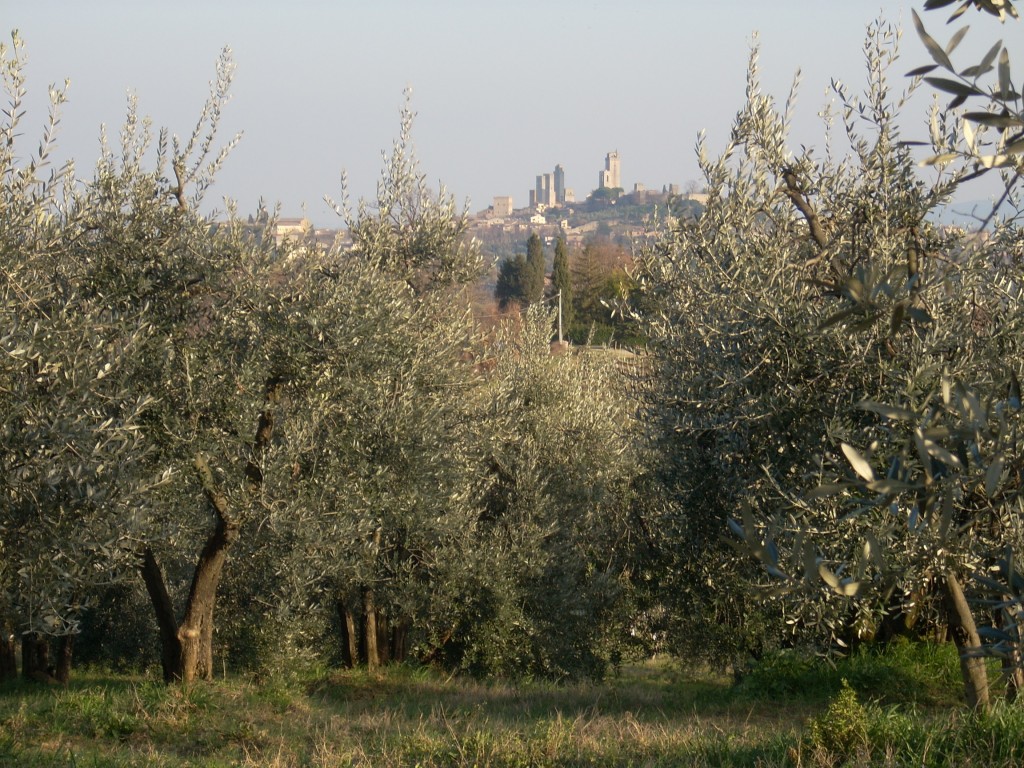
<point x="840" y="734"/>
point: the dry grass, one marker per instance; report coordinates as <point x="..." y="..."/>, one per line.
<point x="653" y="715"/>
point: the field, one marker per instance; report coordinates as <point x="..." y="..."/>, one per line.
<point x="900" y="708"/>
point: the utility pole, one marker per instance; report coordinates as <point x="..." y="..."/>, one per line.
<point x="559" y="316"/>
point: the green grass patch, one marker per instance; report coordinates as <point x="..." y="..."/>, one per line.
<point x="896" y="708"/>
<point x="901" y="672"/>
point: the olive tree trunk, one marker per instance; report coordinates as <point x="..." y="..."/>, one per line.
<point x="349" y="636"/>
<point x="8" y="657"/>
<point x="371" y="650"/>
<point x="367" y="636"/>
<point x="968" y="643"/>
<point x="186" y="648"/>
<point x="400" y="640"/>
<point x="163" y="609"/>
<point x="65" y="650"/>
<point x="195" y="633"/>
<point x="35" y="658"/>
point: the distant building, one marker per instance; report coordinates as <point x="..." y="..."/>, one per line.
<point x="292" y="229"/>
<point x="610" y="177"/>
<point x="503" y="206"/>
<point x="545" y="190"/>
<point x="549" y="189"/>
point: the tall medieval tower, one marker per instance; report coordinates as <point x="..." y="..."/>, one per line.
<point x="610" y="177"/>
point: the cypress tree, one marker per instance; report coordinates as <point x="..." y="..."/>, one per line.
<point x="513" y="281"/>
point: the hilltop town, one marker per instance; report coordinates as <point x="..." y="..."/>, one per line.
<point x="608" y="212"/>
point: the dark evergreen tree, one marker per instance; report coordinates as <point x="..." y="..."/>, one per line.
<point x="512" y="281"/>
<point x="561" y="280"/>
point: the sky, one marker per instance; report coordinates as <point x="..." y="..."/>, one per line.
<point x="503" y="91"/>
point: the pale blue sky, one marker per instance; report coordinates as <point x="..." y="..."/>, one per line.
<point x="503" y="91"/>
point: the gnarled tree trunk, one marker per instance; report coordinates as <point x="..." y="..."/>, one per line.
<point x="371" y="652"/>
<point x="35" y="658"/>
<point x="968" y="643"/>
<point x="167" y="624"/>
<point x="349" y="636"/>
<point x="187" y="647"/>
<point x="65" y="650"/>
<point x="8" y="657"/>
<point x="196" y="630"/>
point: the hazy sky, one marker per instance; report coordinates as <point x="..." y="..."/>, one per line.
<point x="503" y="90"/>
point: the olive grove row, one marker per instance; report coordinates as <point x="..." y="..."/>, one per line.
<point x="214" y="444"/>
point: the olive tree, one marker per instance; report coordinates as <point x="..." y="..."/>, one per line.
<point x="556" y="543"/>
<point x="380" y="447"/>
<point x="943" y="456"/>
<point x="804" y="288"/>
<point x="70" y="425"/>
<point x="212" y="364"/>
<point x="420" y="516"/>
<point x="987" y="137"/>
<point x="862" y="372"/>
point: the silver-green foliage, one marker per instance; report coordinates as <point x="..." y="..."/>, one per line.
<point x="809" y="285"/>
<point x="560" y="447"/>
<point x="211" y="293"/>
<point x="989" y="135"/>
<point x="69" y="425"/>
<point x="409" y="231"/>
<point x="142" y="339"/>
<point x="470" y="493"/>
<point x="381" y="476"/>
<point x="174" y="386"/>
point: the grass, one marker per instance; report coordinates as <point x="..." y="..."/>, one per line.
<point x="896" y="709"/>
